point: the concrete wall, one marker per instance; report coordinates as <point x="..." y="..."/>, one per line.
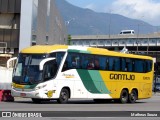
<point x="22" y="21"/>
<point x="10" y="6"/>
<point x="50" y="26"/>
<point x="26" y="24"/>
<point x="41" y="21"/>
<point x="9" y="24"/>
<point x="57" y="30"/>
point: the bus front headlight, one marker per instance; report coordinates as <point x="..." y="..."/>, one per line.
<point x="40" y="87"/>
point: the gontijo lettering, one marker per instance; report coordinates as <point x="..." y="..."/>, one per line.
<point x="122" y="77"/>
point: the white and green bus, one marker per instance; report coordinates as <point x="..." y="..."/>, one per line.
<point x="61" y="72"/>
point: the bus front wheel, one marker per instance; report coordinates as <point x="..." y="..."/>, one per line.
<point x="64" y="96"/>
<point x="124" y="96"/>
<point x="132" y="96"/>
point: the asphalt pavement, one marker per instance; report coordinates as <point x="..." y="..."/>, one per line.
<point x="84" y="107"/>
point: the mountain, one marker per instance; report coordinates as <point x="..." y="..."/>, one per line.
<point x="80" y="21"/>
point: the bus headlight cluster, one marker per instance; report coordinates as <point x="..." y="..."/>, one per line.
<point x="40" y="87"/>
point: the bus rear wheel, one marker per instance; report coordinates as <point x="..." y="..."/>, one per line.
<point x="64" y="96"/>
<point x="133" y="96"/>
<point x="124" y="96"/>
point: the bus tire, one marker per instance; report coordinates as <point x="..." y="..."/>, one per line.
<point x="124" y="96"/>
<point x="36" y="100"/>
<point x="64" y="96"/>
<point x="133" y="96"/>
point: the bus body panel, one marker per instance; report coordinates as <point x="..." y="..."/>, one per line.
<point x="79" y="89"/>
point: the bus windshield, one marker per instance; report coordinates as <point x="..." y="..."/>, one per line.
<point x="27" y="70"/>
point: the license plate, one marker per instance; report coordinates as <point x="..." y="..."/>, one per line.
<point x="23" y="94"/>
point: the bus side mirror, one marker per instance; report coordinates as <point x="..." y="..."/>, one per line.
<point x="11" y="62"/>
<point x="41" y="65"/>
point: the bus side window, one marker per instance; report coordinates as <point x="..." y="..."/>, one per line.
<point x="90" y="64"/>
<point x="102" y="62"/>
<point x="123" y="64"/>
<point x="50" y="68"/>
<point x="144" y="66"/>
<point x="65" y="66"/>
<point x="75" y="61"/>
<point x="97" y="63"/>
<point x="67" y="63"/>
<point x="111" y="63"/>
<point x="87" y="61"/>
<point x="107" y="64"/>
<point x="129" y="65"/>
<point x="72" y="61"/>
<point x="117" y="63"/>
<point x="84" y="61"/>
<point x="58" y="56"/>
<point x="114" y="63"/>
<point x="139" y="66"/>
<point x="148" y="65"/>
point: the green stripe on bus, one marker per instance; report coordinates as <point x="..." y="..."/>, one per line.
<point x="93" y="81"/>
<point x="98" y="81"/>
<point x="87" y="81"/>
<point x="78" y="51"/>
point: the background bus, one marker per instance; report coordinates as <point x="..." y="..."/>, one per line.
<point x="62" y="72"/>
<point x="127" y="32"/>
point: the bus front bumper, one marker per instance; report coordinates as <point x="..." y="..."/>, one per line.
<point x="33" y="94"/>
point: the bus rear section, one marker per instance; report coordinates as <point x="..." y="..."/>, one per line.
<point x="123" y="77"/>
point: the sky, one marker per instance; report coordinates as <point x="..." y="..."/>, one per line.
<point x="146" y="10"/>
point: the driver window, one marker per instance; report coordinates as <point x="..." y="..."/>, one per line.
<point x="50" y="69"/>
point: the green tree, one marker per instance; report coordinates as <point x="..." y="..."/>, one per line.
<point x="69" y="39"/>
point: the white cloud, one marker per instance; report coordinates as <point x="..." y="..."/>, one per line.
<point x="147" y="10"/>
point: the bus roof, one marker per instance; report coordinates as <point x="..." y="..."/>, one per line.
<point x="126" y="30"/>
<point x="44" y="49"/>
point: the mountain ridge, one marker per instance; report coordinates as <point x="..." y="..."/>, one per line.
<point x="81" y="21"/>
